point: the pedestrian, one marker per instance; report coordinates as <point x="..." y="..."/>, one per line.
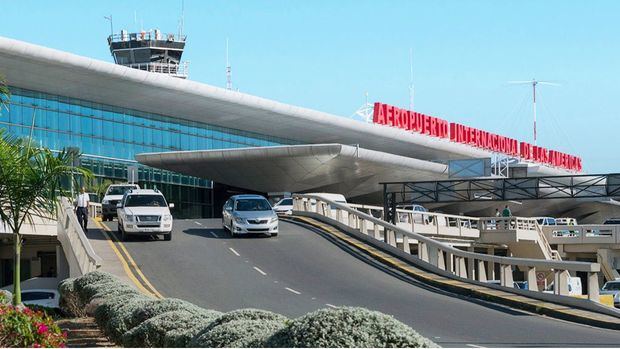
<point x="497" y="213"/>
<point x="82" y="209"/>
<point x="506" y="212"/>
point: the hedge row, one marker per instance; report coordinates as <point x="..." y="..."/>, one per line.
<point x="134" y="320"/>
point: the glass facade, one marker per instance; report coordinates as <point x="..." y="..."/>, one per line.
<point x="109" y="137"/>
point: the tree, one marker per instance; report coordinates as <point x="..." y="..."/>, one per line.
<point x="30" y="186"/>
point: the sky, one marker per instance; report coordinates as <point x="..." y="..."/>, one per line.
<point x="326" y="55"/>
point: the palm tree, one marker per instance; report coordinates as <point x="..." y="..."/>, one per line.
<point x="30" y="186"/>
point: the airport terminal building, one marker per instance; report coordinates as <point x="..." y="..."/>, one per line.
<point x="199" y="143"/>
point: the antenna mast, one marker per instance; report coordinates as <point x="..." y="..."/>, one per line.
<point x="534" y="83"/>
<point x="182" y="19"/>
<point x="228" y="70"/>
<point x="411" y="87"/>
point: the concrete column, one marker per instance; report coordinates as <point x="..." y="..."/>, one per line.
<point x="532" y="282"/>
<point x="482" y="275"/>
<point x="363" y="229"/>
<point x="470" y="264"/>
<point x="433" y="255"/>
<point x="449" y="263"/>
<point x="491" y="265"/>
<point x="560" y="282"/>
<point x="593" y="291"/>
<point x="441" y="261"/>
<point x="376" y="232"/>
<point x="391" y="236"/>
<point x="506" y="275"/>
<point x="422" y="252"/>
<point x="406" y="247"/>
<point x="339" y="215"/>
<point x="460" y="264"/>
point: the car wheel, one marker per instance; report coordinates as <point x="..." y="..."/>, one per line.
<point x="232" y="230"/>
<point x="122" y="232"/>
<point x="168" y="236"/>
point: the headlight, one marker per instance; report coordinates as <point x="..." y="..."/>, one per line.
<point x="239" y="220"/>
<point x="105" y="202"/>
<point x="274" y="219"/>
<point x="129" y="218"/>
<point x="167" y="217"/>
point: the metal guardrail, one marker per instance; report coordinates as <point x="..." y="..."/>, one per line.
<point x="78" y="251"/>
<point x="146" y="36"/>
<point x="463" y="264"/>
<point x="179" y="70"/>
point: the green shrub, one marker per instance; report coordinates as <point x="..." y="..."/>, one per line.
<point x="69" y="301"/>
<point x="89" y="291"/>
<point x="94" y="277"/>
<point x="22" y="327"/>
<point x="109" y="313"/>
<point x="182" y="336"/>
<point x="248" y="314"/>
<point x="152" y="332"/>
<point x="238" y="334"/>
<point x="158" y="307"/>
<point x="118" y="323"/>
<point x="347" y="327"/>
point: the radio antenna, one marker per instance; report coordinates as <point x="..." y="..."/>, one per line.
<point x="534" y="83"/>
<point x="228" y="70"/>
<point x="411" y="86"/>
<point x="182" y="19"/>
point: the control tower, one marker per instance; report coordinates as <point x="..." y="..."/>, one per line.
<point x="151" y="51"/>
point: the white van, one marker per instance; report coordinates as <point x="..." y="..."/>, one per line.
<point x="338" y="198"/>
<point x="574" y="286"/>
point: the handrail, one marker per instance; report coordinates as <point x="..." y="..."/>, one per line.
<point x="523" y="223"/>
<point x="78" y="250"/>
<point x="465" y="263"/>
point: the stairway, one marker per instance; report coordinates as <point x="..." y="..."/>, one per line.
<point x="84" y="333"/>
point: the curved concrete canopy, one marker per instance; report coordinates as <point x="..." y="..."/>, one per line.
<point x="339" y="168"/>
<point x="43" y="69"/>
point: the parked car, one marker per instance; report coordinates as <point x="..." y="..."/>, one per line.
<point x="144" y="212"/>
<point x="249" y="214"/>
<point x="612" y="288"/>
<point x="284" y="206"/>
<point x="546" y="221"/>
<point x="42" y="297"/>
<point x="418" y="216"/>
<point x="612" y="221"/>
<point x="566" y="221"/>
<point x="574" y="286"/>
<point x="112" y="197"/>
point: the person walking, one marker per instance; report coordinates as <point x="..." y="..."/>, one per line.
<point x="506" y="212"/>
<point x="82" y="209"/>
<point x="497" y="213"/>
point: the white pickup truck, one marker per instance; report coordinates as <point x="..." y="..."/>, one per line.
<point x="144" y="212"/>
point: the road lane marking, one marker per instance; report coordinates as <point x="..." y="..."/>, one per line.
<point x="198" y="223"/>
<point x="331" y="305"/>
<point x="235" y="252"/>
<point x="124" y="263"/>
<point x="291" y="290"/>
<point x="260" y="271"/>
<point x="213" y="234"/>
<point x="474" y="346"/>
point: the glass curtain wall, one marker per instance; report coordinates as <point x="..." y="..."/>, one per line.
<point x="110" y="137"/>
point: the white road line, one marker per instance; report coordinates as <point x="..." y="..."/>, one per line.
<point x="198" y="223"/>
<point x="213" y="234"/>
<point x="260" y="271"/>
<point x="331" y="305"/>
<point x="291" y="290"/>
<point x="474" y="346"/>
<point x="235" y="252"/>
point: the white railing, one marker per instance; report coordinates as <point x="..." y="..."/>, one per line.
<point x="428" y="223"/>
<point x="524" y="225"/>
<point x="94" y="209"/>
<point x="78" y="251"/>
<point x="582" y="234"/>
<point x="463" y="264"/>
<point x="179" y="70"/>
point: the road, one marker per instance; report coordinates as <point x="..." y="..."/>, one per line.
<point x="301" y="271"/>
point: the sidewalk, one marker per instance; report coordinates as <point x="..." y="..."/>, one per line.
<point x="102" y="246"/>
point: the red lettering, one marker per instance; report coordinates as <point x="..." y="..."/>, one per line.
<point x="396" y="120"/>
<point x="404" y="119"/>
<point x="378" y="116"/>
<point x="389" y="115"/>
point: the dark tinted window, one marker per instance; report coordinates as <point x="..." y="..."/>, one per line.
<point x="287" y="202"/>
<point x="145" y="200"/>
<point x="119" y="190"/>
<point x="34" y="296"/>
<point x="612" y="286"/>
<point x="252" y="205"/>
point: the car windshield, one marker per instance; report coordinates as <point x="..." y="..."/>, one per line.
<point x="119" y="190"/>
<point x="252" y="205"/>
<point x="145" y="200"/>
<point x="285" y="202"/>
<point x="612" y="286"/>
